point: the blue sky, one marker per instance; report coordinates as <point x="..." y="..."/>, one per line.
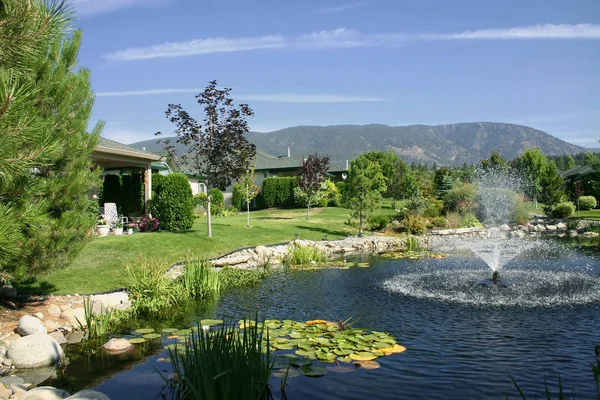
<point x="328" y="62"/>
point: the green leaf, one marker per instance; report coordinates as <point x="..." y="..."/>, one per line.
<point x="312" y="371"/>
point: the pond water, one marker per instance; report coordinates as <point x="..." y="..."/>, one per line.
<point x="463" y="340"/>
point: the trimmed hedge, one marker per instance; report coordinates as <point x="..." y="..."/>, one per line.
<point x="563" y="209"/>
<point x="237" y="197"/>
<point x="172" y="203"/>
<point x="278" y="192"/>
<point x="587" y="203"/>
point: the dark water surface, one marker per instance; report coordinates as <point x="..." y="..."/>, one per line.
<point x="462" y="341"/>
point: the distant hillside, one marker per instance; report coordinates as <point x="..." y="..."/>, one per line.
<point x="451" y="144"/>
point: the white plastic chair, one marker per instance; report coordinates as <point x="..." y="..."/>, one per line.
<point x="111" y="216"/>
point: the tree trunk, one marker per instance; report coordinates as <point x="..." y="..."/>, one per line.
<point x="360" y="216"/>
<point x="248" y="214"/>
<point x="208" y="218"/>
<point x="307" y="208"/>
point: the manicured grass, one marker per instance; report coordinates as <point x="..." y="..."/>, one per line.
<point x="100" y="265"/>
<point x="593" y="215"/>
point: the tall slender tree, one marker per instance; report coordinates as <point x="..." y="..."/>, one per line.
<point x="45" y="164"/>
<point x="248" y="189"/>
<point x="311" y="177"/>
<point x="217" y="148"/>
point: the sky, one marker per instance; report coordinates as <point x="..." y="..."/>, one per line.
<point x="332" y="62"/>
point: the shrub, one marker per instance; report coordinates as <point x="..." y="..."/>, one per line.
<point x="173" y="204"/>
<point x="216" y="197"/>
<point x="439" y="222"/>
<point x="377" y="222"/>
<point x="111" y="190"/>
<point x="237" y="197"/>
<point x="200" y="200"/>
<point x="469" y="221"/>
<point x="586" y="203"/>
<point x="521" y="214"/>
<point x="415" y="224"/>
<point x="460" y="198"/>
<point x="278" y="192"/>
<point x="563" y="210"/>
<point x="434" y="209"/>
<point x="416" y="205"/>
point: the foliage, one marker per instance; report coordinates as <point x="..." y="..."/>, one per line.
<point x="502" y="209"/>
<point x="201" y="280"/>
<point x="96" y="325"/>
<point x="521" y="212"/>
<point x="236" y="277"/>
<point x="237" y="198"/>
<point x="415" y="224"/>
<point x="132" y="194"/>
<point x="364" y="187"/>
<point x="460" y="198"/>
<point x="150" y="289"/>
<point x="332" y="194"/>
<point x="303" y="255"/>
<point x="563" y="209"/>
<point x="586" y="203"/>
<point x="248" y="191"/>
<point x="278" y="192"/>
<point x="434" y="209"/>
<point x="416" y="205"/>
<point x="551" y="184"/>
<point x="470" y="221"/>
<point x="443" y="181"/>
<point x="216" y="196"/>
<point x="530" y="165"/>
<point x="200" y="200"/>
<point x="311" y="176"/>
<point x="495" y="163"/>
<point x="217" y="148"/>
<point x="378" y="222"/>
<point x="172" y="202"/>
<point x="222" y="364"/>
<point x="45" y="163"/>
<point x="148" y="224"/>
<point x="439" y="222"/>
<point x="412" y="244"/>
<point x="111" y="190"/>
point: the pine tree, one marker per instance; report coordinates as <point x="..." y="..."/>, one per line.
<point x="45" y="164"/>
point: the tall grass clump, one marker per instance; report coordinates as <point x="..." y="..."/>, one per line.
<point x="151" y="289"/>
<point x="302" y="255"/>
<point x="97" y="326"/>
<point x="201" y="280"/>
<point x="236" y="277"/>
<point x="223" y="364"/>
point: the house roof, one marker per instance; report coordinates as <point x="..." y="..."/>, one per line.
<point x="581" y="170"/>
<point x="112" y="147"/>
<point x="266" y="161"/>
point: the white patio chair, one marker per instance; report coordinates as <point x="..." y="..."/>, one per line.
<point x="111" y="216"/>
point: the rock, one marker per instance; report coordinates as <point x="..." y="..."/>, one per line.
<point x="54" y="310"/>
<point x="34" y="351"/>
<point x="88" y="394"/>
<point x="5" y="392"/>
<point x="231" y="260"/>
<point x="572" y="232"/>
<point x="561" y="226"/>
<point x="540" y="228"/>
<point x="117" y="345"/>
<point x="590" y="234"/>
<point x="551" y="227"/>
<point x="36" y="376"/>
<point x="504" y="227"/>
<point x="51" y="326"/>
<point x="58" y="336"/>
<point x="7" y="362"/>
<point x="39" y="315"/>
<point x="29" y="325"/>
<point x="45" y="393"/>
<point x="262" y="251"/>
<point x="74" y="337"/>
<point x="518" y="234"/>
<point x="75" y="317"/>
<point x="65" y="307"/>
<point x="19" y="389"/>
<point x="8" y="292"/>
<point x="11" y="380"/>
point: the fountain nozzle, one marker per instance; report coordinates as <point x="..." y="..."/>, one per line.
<point x="496" y="277"/>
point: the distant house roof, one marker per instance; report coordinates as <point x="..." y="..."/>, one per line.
<point x="266" y="161"/>
<point x="109" y="154"/>
<point x="582" y="170"/>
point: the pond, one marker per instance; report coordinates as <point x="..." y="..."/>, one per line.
<point x="463" y="340"/>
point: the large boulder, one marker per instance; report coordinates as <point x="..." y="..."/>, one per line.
<point x="117" y="345"/>
<point x="88" y="394"/>
<point x="45" y="393"/>
<point x="34" y="351"/>
<point x="76" y="317"/>
<point x="102" y="303"/>
<point x="29" y="325"/>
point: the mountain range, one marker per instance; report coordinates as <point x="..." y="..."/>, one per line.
<point x="449" y="144"/>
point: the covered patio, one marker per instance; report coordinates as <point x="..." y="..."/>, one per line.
<point x="112" y="155"/>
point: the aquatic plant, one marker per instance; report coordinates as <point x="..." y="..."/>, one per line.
<point x="222" y="364"/>
<point x="303" y="255"/>
<point x="200" y="279"/>
<point x="96" y="326"/>
<point x="236" y="277"/>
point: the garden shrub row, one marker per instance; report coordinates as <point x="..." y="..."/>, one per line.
<point x="126" y="191"/>
<point x="278" y="192"/>
<point x="172" y="201"/>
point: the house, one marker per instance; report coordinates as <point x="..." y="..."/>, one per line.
<point x="115" y="157"/>
<point x="588" y="178"/>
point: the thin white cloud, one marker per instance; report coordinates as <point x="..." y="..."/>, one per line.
<point x="346" y="38"/>
<point x="267" y="97"/>
<point x="541" y="31"/>
<point x="86" y="8"/>
<point x="341" y="8"/>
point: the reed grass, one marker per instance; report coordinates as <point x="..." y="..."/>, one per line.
<point x="201" y="280"/>
<point x="223" y="364"/>
<point x="303" y="255"/>
<point x="96" y="326"/>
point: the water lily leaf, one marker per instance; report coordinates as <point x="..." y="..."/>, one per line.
<point x="183" y="332"/>
<point x="345" y="359"/>
<point x="283" y="346"/>
<point x="316" y="322"/>
<point x="341" y="368"/>
<point x="152" y="336"/>
<point x="292" y="373"/>
<point x="363" y="356"/>
<point x="305" y="345"/>
<point x="367" y="364"/>
<point x="312" y="371"/>
<point x="345" y="352"/>
<point x="211" y="322"/>
<point x="137" y="340"/>
<point x="397" y="349"/>
<point x="380" y="345"/>
<point x="291" y="357"/>
<point x="168" y="330"/>
<point x="378" y="353"/>
<point x="172" y="347"/>
<point x="296" y="335"/>
<point x="144" y="331"/>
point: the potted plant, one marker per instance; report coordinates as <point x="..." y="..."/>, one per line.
<point x="102" y="228"/>
<point x="130" y="228"/>
<point x="118" y="228"/>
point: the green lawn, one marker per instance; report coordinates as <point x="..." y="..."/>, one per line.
<point x="593" y="215"/>
<point x="99" y="266"/>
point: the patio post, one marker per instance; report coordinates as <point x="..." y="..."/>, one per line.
<point x="147" y="189"/>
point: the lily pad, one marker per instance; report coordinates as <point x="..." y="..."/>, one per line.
<point x="341" y="368"/>
<point x="312" y="371"/>
<point x="394" y="349"/>
<point x="291" y="373"/>
<point x="137" y="340"/>
<point x="283" y="346"/>
<point x="363" y="356"/>
<point x="168" y="330"/>
<point x="152" y="336"/>
<point x="211" y="322"/>
<point x="143" y="331"/>
<point x="367" y="364"/>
